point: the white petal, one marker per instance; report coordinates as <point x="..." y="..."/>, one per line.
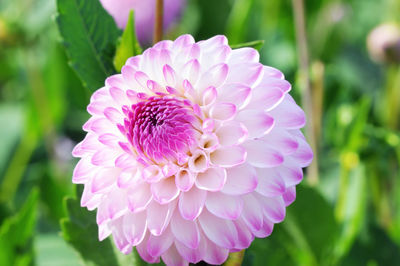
<point x="191" y="203"/>
<point x="282" y="140"/>
<point x="139" y="197"/>
<point x="215" y="77"/>
<point x="246" y="54"/>
<point x="249" y="74"/>
<point x="289" y="196"/>
<point x="235" y="93"/>
<point x="172" y="257"/>
<point x="157" y="245"/>
<point x="266" y="98"/>
<point x="224" y="206"/>
<point x="223" y="111"/>
<point x="288" y="114"/>
<point x="252" y="213"/>
<point x="273" y="208"/>
<point x="245" y="236"/>
<point x="165" y="190"/>
<point x="142" y="250"/>
<point x="270" y="183"/>
<point x="104" y="179"/>
<point x="158" y="217"/>
<point x="134" y="227"/>
<point x="231" y="133"/>
<point x="257" y="122"/>
<point x="228" y="156"/>
<point x="213" y="179"/>
<point x="185" y="231"/>
<point x="240" y="180"/>
<point x="220" y="231"/>
<point x="259" y="154"/>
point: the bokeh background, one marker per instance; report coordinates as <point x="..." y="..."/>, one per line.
<point x="347" y="210"/>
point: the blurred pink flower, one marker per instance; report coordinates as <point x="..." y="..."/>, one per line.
<point x="144" y="14"/>
<point x="383" y="43"/>
<point x="192" y="152"/>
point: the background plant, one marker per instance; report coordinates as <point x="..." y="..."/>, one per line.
<point x="348" y="215"/>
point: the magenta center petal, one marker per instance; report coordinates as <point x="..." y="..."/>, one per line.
<point x="161" y="129"/>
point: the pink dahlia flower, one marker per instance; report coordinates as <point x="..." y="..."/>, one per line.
<point x="192" y="152"/>
<point x="144" y="14"/>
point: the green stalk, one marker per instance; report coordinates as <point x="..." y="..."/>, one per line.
<point x="305" y="84"/>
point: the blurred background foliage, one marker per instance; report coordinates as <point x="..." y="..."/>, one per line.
<point x="346" y="213"/>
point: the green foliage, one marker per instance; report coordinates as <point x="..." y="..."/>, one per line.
<point x="89" y="35"/>
<point x="16" y="234"/>
<point x="128" y="45"/>
<point x="254" y="44"/>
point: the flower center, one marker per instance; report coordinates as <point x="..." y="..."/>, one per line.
<point x="161" y="129"/>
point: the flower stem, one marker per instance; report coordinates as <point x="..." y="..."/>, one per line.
<point x="158" y="25"/>
<point x="235" y="259"/>
<point x="305" y="84"/>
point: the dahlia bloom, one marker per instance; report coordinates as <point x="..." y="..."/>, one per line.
<point x="192" y="151"/>
<point x="144" y="14"/>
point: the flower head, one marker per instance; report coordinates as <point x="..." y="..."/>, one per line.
<point x="383" y="43"/>
<point x="192" y="151"/>
<point x="144" y="14"/>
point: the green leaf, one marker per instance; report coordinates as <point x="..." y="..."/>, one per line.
<point x="355" y="210"/>
<point x="89" y="34"/>
<point x="80" y="230"/>
<point x="128" y="45"/>
<point x="16" y="234"/>
<point x="254" y="44"/>
<point x="51" y="249"/>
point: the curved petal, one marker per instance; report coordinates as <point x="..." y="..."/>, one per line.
<point x="213" y="179"/>
<point x="165" y="190"/>
<point x="290" y="195"/>
<point x="158" y="217"/>
<point x="220" y="231"/>
<point x="240" y="180"/>
<point x="185" y="231"/>
<point x="172" y="257"/>
<point x="139" y="197"/>
<point x="257" y="122"/>
<point x="134" y="227"/>
<point x="245" y="73"/>
<point x="270" y="183"/>
<point x="157" y="245"/>
<point x="252" y="213"/>
<point x="231" y="133"/>
<point x="288" y="114"/>
<point x="273" y="208"/>
<point x="224" y="206"/>
<point x="228" y="156"/>
<point x="191" y="203"/>
<point x="259" y="154"/>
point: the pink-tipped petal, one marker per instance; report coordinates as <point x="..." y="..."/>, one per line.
<point x="212" y="180"/>
<point x="222" y="232"/>
<point x="270" y="183"/>
<point x="228" y="156"/>
<point x="185" y="231"/>
<point x="259" y="154"/>
<point x="134" y="227"/>
<point x="158" y="217"/>
<point x="224" y="206"/>
<point x="157" y="245"/>
<point x="240" y="180"/>
<point x="165" y="190"/>
<point x="191" y="203"/>
<point x="257" y="122"/>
